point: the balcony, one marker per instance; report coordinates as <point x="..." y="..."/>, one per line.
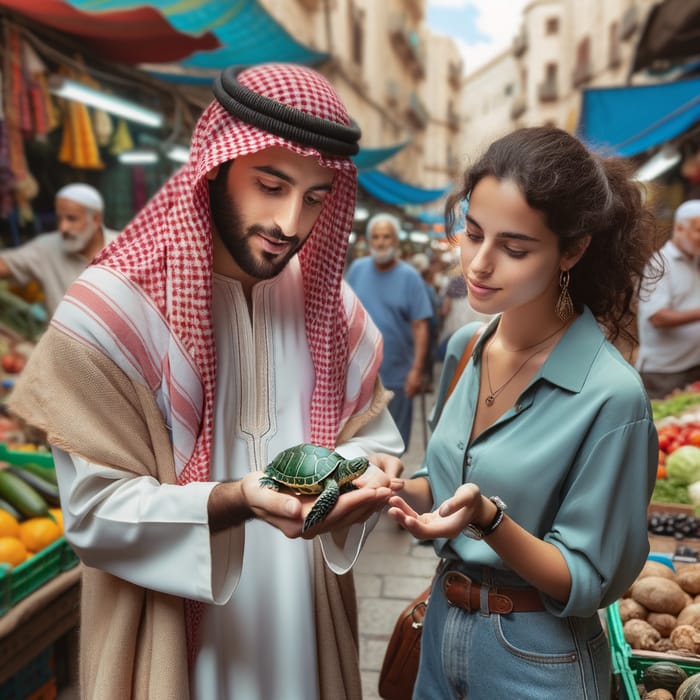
<point x="548" y="91"/>
<point x="417" y="112"/>
<point x="454" y="74"/>
<point x="520" y="43"/>
<point x="518" y="108"/>
<point x="453" y="120"/>
<point x="582" y="73"/>
<point x="408" y="46"/>
<point x="393" y="92"/>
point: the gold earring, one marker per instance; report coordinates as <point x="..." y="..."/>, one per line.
<point x="564" y="308"/>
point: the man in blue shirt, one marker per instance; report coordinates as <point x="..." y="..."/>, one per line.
<point x="395" y="297"/>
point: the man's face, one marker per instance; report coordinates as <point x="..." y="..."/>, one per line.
<point x="687" y="236"/>
<point x="383" y="242"/>
<point x="76" y="224"/>
<point x="264" y="206"/>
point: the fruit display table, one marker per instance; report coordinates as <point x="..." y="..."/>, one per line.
<point x="49" y="616"/>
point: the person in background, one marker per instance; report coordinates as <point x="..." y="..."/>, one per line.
<point x="547" y="425"/>
<point x="395" y="296"/>
<point x="422" y="264"/>
<point x="668" y="318"/>
<point x="56" y="259"/>
<point x="215" y="333"/>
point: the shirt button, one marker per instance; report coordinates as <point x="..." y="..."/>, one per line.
<point x="469" y="460"/>
<point x="518" y="408"/>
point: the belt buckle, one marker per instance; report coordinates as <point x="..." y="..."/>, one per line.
<point x="457" y="578"/>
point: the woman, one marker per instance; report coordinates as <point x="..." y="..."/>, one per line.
<point x="547" y="418"/>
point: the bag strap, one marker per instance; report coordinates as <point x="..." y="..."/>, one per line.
<point x="468" y="350"/>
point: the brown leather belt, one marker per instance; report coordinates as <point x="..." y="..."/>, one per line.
<point x="462" y="592"/>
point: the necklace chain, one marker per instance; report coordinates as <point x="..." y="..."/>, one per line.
<point x="491" y="398"/>
<point x="534" y="345"/>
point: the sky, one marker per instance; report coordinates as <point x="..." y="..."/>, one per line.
<point x="481" y="28"/>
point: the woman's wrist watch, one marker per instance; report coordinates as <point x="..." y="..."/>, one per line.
<point x="475" y="532"/>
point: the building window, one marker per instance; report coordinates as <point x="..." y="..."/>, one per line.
<point x="357" y="35"/>
<point x="583" y="71"/>
<point x="614" y="50"/>
<point x="551" y="26"/>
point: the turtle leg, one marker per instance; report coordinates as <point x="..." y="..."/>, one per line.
<point x="324" y="504"/>
<point x="269" y="483"/>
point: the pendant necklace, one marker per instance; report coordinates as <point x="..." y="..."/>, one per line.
<point x="491" y="398"/>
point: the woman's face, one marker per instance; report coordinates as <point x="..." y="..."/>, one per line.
<point x="510" y="258"/>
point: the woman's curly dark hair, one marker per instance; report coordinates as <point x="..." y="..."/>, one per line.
<point x="580" y="194"/>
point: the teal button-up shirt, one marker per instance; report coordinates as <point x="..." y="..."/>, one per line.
<point x="575" y="459"/>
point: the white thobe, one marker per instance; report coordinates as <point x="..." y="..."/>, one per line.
<point x="258" y="639"/>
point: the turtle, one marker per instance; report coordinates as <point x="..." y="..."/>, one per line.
<point x="311" y="469"/>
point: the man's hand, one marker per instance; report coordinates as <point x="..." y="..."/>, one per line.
<point x="232" y="503"/>
<point x="374" y="489"/>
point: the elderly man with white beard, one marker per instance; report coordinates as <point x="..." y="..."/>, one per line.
<point x="56" y="259"/>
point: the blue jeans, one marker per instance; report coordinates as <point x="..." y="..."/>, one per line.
<point x="525" y="655"/>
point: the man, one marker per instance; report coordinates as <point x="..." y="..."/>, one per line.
<point x="394" y="294"/>
<point x="214" y="334"/>
<point x="56" y="259"/>
<point x="669" y="316"/>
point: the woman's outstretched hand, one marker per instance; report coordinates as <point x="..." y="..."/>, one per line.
<point x="446" y="521"/>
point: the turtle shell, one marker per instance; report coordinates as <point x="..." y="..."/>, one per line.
<point x="303" y="467"/>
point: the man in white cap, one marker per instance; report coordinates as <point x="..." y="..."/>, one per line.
<point x="56" y="259"/>
<point x="669" y="314"/>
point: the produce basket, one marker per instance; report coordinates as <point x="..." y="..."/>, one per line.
<point x="22" y="580"/>
<point x="20" y="457"/>
<point x="629" y="664"/>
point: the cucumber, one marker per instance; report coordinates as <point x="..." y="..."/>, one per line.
<point x="22" y="496"/>
<point x="8" y="507"/>
<point x="48" y="491"/>
<point x="45" y="473"/>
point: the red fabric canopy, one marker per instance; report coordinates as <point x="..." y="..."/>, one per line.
<point x="140" y="35"/>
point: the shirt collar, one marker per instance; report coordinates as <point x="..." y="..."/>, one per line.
<point x="571" y="359"/>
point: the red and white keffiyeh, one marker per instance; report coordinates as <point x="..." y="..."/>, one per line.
<point x="167" y="251"/>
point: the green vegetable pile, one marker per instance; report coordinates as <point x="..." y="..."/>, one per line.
<point x="662" y="408"/>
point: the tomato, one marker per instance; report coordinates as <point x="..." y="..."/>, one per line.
<point x="662" y="457"/>
<point x="664" y="441"/>
<point x="694" y="437"/>
<point x="661" y="472"/>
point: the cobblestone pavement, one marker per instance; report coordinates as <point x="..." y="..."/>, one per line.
<point x="392" y="569"/>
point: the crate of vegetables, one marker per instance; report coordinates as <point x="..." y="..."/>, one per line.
<point x="654" y="633"/>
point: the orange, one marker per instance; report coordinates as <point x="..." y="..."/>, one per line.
<point x="12" y="551"/>
<point x="37" y="533"/>
<point x="9" y="527"/>
<point x="57" y="515"/>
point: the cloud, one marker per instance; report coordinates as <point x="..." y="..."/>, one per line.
<point x="481" y="28"/>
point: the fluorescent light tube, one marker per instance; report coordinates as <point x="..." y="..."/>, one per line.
<point x="138" y="157"/>
<point x="73" y="90"/>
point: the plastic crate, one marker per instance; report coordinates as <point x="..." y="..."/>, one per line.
<point x="20" y="457"/>
<point x="36" y="681"/>
<point x="22" y="580"/>
<point x="629" y="666"/>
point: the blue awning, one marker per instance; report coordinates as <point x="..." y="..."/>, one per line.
<point x="629" y="120"/>
<point x="246" y="32"/>
<point x="369" y="158"/>
<point x="389" y="190"/>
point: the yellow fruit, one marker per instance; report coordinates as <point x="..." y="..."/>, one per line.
<point x="12" y="551"/>
<point x="9" y="527"/>
<point x="37" y="533"/>
<point x="57" y="515"/>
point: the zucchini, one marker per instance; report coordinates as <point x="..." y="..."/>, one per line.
<point x="45" y="473"/>
<point x="22" y="496"/>
<point x="9" y="508"/>
<point x="48" y="491"/>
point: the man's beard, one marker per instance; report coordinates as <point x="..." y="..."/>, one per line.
<point x="382" y="257"/>
<point x="78" y="241"/>
<point x="227" y="220"/>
